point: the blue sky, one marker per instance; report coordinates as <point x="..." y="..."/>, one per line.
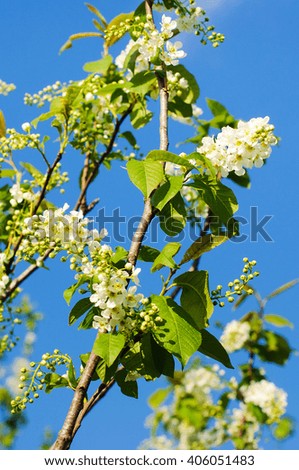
<point x="254" y="73"/>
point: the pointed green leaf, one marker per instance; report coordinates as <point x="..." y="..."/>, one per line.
<point x="158" y="397"/>
<point x="96" y="12"/>
<point x="216" y="108"/>
<point x="165" y="258"/>
<point x="195" y="297"/>
<point x="109" y="346"/>
<point x="79" y="309"/>
<point x="128" y="387"/>
<point x="282" y="288"/>
<point x="38" y="175"/>
<point x="177" y="334"/>
<point x="146" y="175"/>
<point x="148" y="253"/>
<point x="2" y="125"/>
<point x="218" y="197"/>
<point x="277" y="320"/>
<point x="99" y="66"/>
<point x="211" y="347"/>
<point x="203" y="245"/>
<point x="167" y="191"/>
<point x="164" y="156"/>
<point x="243" y="180"/>
<point x="143" y="82"/>
<point x="173" y="216"/>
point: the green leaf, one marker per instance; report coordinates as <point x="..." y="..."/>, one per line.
<point x="129" y="137"/>
<point x="173" y="216"/>
<point x="143" y="82"/>
<point x="145" y="175"/>
<point x="277" y="320"/>
<point x="158" y="397"/>
<point x="5" y="173"/>
<point x="87" y="321"/>
<point x="70" y="291"/>
<point x="2" y="125"/>
<point x="119" y="255"/>
<point x="178" y="107"/>
<point x="140" y="115"/>
<point x="71" y="374"/>
<point x="109" y="346"/>
<point x="54" y="380"/>
<point x="164" y="156"/>
<point x="128" y="388"/>
<point x="32" y="171"/>
<point x="216" y="108"/>
<point x="211" y="347"/>
<point x="115" y="23"/>
<point x="218" y="197"/>
<point x="177" y="335"/>
<point x="203" y="245"/>
<point x="165" y="258"/>
<point x="167" y="191"/>
<point x="282" y="288"/>
<point x="96" y="12"/>
<point x="283" y="429"/>
<point x="43" y="117"/>
<point x="99" y="66"/>
<point x="79" y="309"/>
<point x="148" y="254"/>
<point x="130" y="60"/>
<point x="191" y="93"/>
<point x="195" y="297"/>
<point x="243" y="180"/>
<point x="276" y="348"/>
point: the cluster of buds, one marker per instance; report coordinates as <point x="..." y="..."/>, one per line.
<point x="236" y="287"/>
<point x="38" y="377"/>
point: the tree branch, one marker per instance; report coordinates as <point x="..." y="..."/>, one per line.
<point x="76" y="412"/>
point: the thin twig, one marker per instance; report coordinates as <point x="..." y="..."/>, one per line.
<point x="90" y="176"/>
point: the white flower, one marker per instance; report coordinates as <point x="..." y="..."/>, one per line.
<point x="167" y="26"/>
<point x="235" y="335"/>
<point x="271" y="399"/>
<point x="26" y="126"/>
<point x="244" y="147"/>
<point x="173" y="53"/>
<point x="17" y="195"/>
<point x="89" y="97"/>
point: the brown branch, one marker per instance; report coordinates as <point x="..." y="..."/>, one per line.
<point x="77" y="412"/>
<point x="90" y="176"/>
<point x="65" y="435"/>
<point x="96" y="397"/>
<point x="35" y="209"/>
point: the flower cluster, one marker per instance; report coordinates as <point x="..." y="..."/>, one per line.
<point x="19" y="194"/>
<point x="46" y="95"/>
<point x="39" y="376"/>
<point x="17" y="141"/>
<point x="242" y="148"/>
<point x="271" y="399"/>
<point x="6" y="88"/>
<point x="115" y="305"/>
<point x="235" y="335"/>
<point x="238" y="286"/>
<point x="56" y="230"/>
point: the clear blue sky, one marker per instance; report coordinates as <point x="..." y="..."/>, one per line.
<point x="254" y="73"/>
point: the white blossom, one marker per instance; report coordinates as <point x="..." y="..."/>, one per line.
<point x="271" y="399"/>
<point x="242" y="148"/>
<point x="235" y="335"/>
